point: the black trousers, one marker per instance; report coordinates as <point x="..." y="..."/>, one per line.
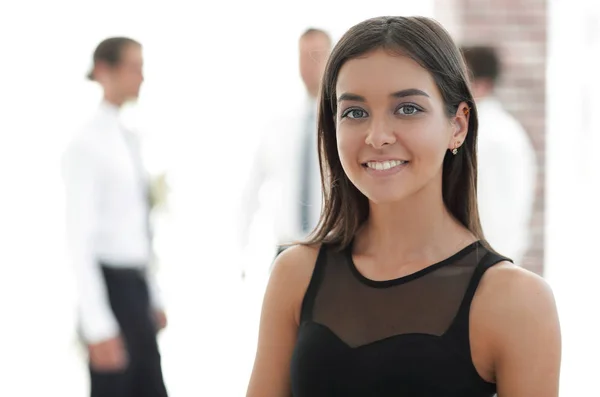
<point x="130" y="303"/>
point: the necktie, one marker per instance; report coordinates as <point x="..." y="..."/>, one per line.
<point x="306" y="170"/>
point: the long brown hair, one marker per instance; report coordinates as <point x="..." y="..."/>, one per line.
<point x="345" y="208"/>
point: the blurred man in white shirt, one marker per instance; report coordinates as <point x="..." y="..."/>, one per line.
<point x="507" y="167"/>
<point x="109" y="236"/>
<point x="287" y="156"/>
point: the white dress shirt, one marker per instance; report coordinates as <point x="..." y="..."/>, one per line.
<point x="278" y="164"/>
<point x="506" y="180"/>
<point x="107" y="215"/>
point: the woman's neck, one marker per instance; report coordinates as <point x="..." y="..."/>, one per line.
<point x="420" y="228"/>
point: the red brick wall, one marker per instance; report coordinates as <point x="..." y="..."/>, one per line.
<point x="519" y="29"/>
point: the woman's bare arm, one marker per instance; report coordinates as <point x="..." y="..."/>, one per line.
<point x="524" y="332"/>
<point x="279" y="322"/>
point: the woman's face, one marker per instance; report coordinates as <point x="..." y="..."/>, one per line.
<point x="391" y="126"/>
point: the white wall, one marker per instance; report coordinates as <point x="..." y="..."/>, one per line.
<point x="573" y="186"/>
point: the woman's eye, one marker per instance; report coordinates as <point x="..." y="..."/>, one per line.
<point x="355" y="114"/>
<point x="408" y="110"/>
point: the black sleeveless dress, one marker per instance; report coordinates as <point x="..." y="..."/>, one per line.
<point x="407" y="337"/>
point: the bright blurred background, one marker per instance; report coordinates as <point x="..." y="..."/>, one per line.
<point x="214" y="75"/>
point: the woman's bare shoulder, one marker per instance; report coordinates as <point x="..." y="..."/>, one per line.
<point x="516" y="311"/>
<point x="506" y="281"/>
<point x="291" y="274"/>
<point x="510" y="296"/>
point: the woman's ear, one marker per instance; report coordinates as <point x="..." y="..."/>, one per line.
<point x="460" y="123"/>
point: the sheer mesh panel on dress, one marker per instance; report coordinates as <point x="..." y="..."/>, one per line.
<point x="361" y="311"/>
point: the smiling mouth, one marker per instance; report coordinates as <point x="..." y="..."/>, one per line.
<point x="384" y="165"/>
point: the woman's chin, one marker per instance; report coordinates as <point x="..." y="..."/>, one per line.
<point x="385" y="197"/>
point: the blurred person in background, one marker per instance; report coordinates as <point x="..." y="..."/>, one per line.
<point x="507" y="161"/>
<point x="398" y="293"/>
<point x="109" y="235"/>
<point x="288" y="156"/>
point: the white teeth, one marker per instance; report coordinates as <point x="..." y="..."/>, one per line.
<point x="384" y="165"/>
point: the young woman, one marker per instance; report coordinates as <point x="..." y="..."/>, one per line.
<point x="398" y="293"/>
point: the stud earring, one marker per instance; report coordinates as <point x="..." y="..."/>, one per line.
<point x="455" y="150"/>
